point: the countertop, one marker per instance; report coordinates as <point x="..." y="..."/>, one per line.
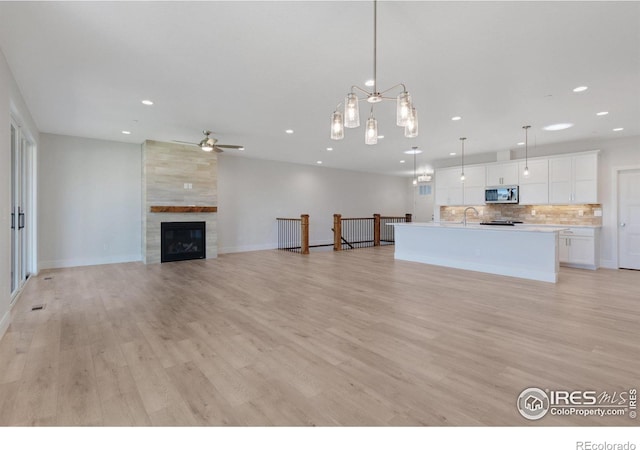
<point x="476" y="226"/>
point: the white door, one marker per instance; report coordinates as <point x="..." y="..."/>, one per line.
<point x="20" y="148"/>
<point x="629" y="219"/>
<point x="15" y="251"/>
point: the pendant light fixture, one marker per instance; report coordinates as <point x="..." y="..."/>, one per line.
<point x="462" y="139"/>
<point x="406" y="114"/>
<point x="526" y="151"/>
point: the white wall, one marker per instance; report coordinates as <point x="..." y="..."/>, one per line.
<point x="252" y="193"/>
<point x="11" y="104"/>
<point x="90" y="208"/>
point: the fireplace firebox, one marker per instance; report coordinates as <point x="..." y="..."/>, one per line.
<point x="180" y="241"/>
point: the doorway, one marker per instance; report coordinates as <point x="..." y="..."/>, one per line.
<point x="21" y="153"/>
<point x="629" y="219"/>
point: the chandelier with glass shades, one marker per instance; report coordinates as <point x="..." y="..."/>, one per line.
<point x="406" y="114"/>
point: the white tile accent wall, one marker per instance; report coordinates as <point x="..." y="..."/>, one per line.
<point x="166" y="169"/>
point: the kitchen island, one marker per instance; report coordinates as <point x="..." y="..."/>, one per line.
<point x="518" y="251"/>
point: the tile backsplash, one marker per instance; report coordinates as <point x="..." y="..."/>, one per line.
<point x="535" y="214"/>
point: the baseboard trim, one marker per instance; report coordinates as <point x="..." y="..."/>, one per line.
<point x="77" y="262"/>
<point x="4" y="323"/>
<point x="608" y="264"/>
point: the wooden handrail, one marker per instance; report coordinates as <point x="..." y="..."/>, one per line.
<point x="357" y="218"/>
<point x="376" y="224"/>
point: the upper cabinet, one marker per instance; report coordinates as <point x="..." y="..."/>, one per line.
<point x="451" y="191"/>
<point x="502" y="174"/>
<point x="557" y="180"/>
<point x="474" y="185"/>
<point x="534" y="188"/>
<point x="573" y="179"/>
<point x="449" y="187"/>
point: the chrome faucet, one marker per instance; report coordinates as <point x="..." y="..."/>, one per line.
<point x="465" y="214"/>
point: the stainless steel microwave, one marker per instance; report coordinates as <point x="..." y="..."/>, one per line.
<point x="501" y="194"/>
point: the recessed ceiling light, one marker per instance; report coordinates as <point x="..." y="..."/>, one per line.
<point x="602" y="113"/>
<point x="452" y="154"/>
<point x="369" y="83"/>
<point x="318" y="162"/>
<point x="241" y="149"/>
<point x="520" y="143"/>
<point x="289" y="131"/>
<point x="413" y="151"/>
<point x="618" y="129"/>
<point x="147" y="102"/>
<point x="381" y="136"/>
<point x="329" y="149"/>
<point x="580" y="89"/>
<point x="557" y="126"/>
<point x="402" y="161"/>
<point x="126" y="132"/>
<point x="456" y="118"/>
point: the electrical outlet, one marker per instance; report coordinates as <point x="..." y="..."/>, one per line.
<point x="597" y="212"/>
<point x="580" y="212"/>
<point x="533" y="212"/>
<point x="186" y="185"/>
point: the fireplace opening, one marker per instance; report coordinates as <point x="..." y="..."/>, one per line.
<point x="180" y="241"/>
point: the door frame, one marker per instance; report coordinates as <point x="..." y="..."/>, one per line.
<point x="28" y="168"/>
<point x="615" y="189"/>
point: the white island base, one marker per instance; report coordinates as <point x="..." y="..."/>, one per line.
<point x="521" y="251"/>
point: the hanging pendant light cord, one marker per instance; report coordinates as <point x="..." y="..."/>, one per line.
<point x="375" y="45"/>
<point x="526" y="146"/>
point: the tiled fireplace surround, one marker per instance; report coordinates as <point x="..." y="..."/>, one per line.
<point x="175" y="175"/>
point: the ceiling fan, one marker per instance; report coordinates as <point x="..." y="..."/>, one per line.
<point x="210" y="143"/>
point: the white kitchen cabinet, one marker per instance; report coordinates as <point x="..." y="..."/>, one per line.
<point x="534" y="188"/>
<point x="579" y="247"/>
<point x="449" y="187"/>
<point x="474" y="185"/>
<point x="451" y="191"/>
<point x="573" y="179"/>
<point x="502" y="174"/>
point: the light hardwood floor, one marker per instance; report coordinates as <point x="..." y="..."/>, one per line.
<point x="349" y="338"/>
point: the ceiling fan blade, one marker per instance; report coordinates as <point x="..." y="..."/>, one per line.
<point x="217" y="149"/>
<point x="229" y="146"/>
<point x="184" y="142"/>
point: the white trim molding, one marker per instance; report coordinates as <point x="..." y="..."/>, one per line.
<point x="614" y="263"/>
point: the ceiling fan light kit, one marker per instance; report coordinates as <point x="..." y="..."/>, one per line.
<point x="406" y="114"/>
<point x="209" y="144"/>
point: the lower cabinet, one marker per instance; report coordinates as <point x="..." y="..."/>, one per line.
<point x="579" y="247"/>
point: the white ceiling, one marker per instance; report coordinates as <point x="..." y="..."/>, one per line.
<point x="250" y="70"/>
